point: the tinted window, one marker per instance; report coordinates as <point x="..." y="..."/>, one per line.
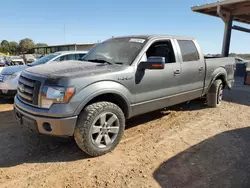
<point x="67" y="57"/>
<point x="188" y="50"/>
<point x="79" y="56"/>
<point x="162" y="49"/>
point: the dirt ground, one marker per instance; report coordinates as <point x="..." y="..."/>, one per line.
<point x="188" y="145"/>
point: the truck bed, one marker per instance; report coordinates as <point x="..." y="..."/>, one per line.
<point x="219" y="65"/>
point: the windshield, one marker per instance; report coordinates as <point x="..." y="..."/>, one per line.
<point x="43" y="60"/>
<point x="116" y="51"/>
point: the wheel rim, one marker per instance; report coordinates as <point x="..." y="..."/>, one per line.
<point x="104" y="129"/>
<point x="220" y="94"/>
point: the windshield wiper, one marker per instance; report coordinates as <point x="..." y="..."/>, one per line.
<point x="99" y="61"/>
<point x="119" y="63"/>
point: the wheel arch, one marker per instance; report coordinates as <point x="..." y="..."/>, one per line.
<point x="221" y="74"/>
<point x="118" y="94"/>
<point x="112" y="97"/>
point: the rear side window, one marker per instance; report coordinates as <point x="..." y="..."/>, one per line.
<point x="79" y="56"/>
<point x="67" y="57"/>
<point x="188" y="50"/>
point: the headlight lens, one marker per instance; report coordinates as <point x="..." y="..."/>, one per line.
<point x="51" y="95"/>
<point x="10" y="77"/>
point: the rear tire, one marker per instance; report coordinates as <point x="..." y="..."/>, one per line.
<point x="215" y="94"/>
<point x="99" y="129"/>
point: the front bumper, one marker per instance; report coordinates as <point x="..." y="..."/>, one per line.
<point x="8" y="93"/>
<point x="61" y="127"/>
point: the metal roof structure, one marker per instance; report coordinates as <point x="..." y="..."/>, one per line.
<point x="228" y="11"/>
<point x="63" y="47"/>
<point x="239" y="9"/>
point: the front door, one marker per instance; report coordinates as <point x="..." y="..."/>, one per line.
<point x="156" y="88"/>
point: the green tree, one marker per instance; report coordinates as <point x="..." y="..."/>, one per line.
<point x="13" y="47"/>
<point x="5" y="46"/>
<point x="26" y="44"/>
<point x="41" y="45"/>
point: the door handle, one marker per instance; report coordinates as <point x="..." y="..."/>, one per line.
<point x="201" y="69"/>
<point x="176" y="72"/>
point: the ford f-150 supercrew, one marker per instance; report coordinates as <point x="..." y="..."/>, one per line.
<point x="119" y="78"/>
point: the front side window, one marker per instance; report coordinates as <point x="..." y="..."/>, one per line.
<point x="116" y="50"/>
<point x="162" y="49"/>
<point x="188" y="50"/>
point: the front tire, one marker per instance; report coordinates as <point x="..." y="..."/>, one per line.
<point x="99" y="128"/>
<point x="215" y="94"/>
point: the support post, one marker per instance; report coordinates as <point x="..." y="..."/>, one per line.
<point x="228" y="20"/>
<point x="227" y="36"/>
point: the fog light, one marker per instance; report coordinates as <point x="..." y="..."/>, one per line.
<point x="47" y="127"/>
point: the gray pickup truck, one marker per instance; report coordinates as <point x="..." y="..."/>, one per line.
<point x="119" y="78"/>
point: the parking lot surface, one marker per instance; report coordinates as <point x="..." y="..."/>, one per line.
<point x="188" y="145"/>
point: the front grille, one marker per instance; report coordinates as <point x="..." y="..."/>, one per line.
<point x="28" y="90"/>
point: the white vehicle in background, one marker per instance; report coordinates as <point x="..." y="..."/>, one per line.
<point x="9" y="75"/>
<point x="17" y="61"/>
<point x="11" y="61"/>
<point x="29" y="58"/>
<point x="241" y="60"/>
<point x="2" y="61"/>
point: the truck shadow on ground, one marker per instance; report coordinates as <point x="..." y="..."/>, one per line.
<point x="193" y="105"/>
<point x="220" y="161"/>
<point x="18" y="145"/>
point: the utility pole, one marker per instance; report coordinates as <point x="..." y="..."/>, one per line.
<point x="64" y="33"/>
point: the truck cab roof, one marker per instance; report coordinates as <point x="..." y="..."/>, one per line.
<point x="69" y="52"/>
<point x="148" y="37"/>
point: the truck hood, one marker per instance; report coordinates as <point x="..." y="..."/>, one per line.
<point x="73" y="69"/>
<point x="13" y="69"/>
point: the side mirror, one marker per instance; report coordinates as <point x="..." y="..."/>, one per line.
<point x="153" y="63"/>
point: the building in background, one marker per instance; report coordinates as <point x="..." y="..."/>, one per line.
<point x="64" y="47"/>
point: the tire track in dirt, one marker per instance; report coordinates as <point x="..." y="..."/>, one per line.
<point x="145" y="145"/>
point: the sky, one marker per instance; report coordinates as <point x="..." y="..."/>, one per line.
<point x="83" y="21"/>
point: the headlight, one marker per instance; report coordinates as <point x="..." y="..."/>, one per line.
<point x="10" y="77"/>
<point x="51" y="95"/>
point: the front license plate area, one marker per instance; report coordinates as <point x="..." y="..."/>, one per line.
<point x="30" y="123"/>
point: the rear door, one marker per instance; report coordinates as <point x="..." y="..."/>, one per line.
<point x="192" y="68"/>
